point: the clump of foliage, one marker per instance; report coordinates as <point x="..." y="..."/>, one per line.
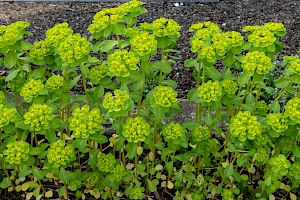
<point x="242" y="144"/>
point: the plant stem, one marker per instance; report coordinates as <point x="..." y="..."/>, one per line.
<point x="142" y="92"/>
<point x="119" y="41"/>
<point x="84" y="87"/>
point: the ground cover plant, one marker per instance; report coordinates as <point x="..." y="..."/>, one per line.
<point x="243" y="143"/>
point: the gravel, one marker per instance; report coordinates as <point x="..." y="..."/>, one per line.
<point x="229" y="14"/>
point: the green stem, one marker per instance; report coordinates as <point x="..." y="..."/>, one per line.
<point x="243" y="98"/>
<point x="119" y="41"/>
<point x="84" y="87"/>
<point x="142" y="92"/>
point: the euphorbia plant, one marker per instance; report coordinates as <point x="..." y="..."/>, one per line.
<point x="118" y="138"/>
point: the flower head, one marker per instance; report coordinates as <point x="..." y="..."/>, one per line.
<point x="210" y="91"/>
<point x="106" y="162"/>
<point x="59" y="154"/>
<point x="244" y="126"/>
<point x="256" y="62"/>
<point x="173" y="131"/>
<point x="58" y="33"/>
<point x="135" y="129"/>
<point x="229" y="86"/>
<point x="278" y="122"/>
<point x="16" y="152"/>
<point x="38" y="117"/>
<point x="85" y="121"/>
<point x="292" y="110"/>
<point x="280" y="165"/>
<point x="121" y="62"/>
<point x="201" y="133"/>
<point x="144" y="44"/>
<point x="164" y="96"/>
<point x="40" y="50"/>
<point x="97" y="73"/>
<point x="31" y="89"/>
<point x="54" y="82"/>
<point x="7" y="115"/>
<point x="117" y="102"/>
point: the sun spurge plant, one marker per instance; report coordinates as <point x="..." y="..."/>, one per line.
<point x="100" y="117"/>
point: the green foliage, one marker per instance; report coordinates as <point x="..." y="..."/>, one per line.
<point x="118" y="138"/>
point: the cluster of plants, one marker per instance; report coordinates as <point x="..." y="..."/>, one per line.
<point x="242" y="143"/>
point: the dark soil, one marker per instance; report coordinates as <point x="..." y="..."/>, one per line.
<point x="229" y="14"/>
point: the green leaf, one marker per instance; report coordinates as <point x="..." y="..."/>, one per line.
<point x="147" y="66"/>
<point x="38" y="174"/>
<point x="213" y="73"/>
<point x="276" y="106"/>
<point x="282" y="82"/>
<point x="12" y="75"/>
<point x="24" y="171"/>
<point x="74" y="81"/>
<point x="118" y="28"/>
<point x="38" y="73"/>
<point x="228" y="60"/>
<point x="170" y="83"/>
<point x="35" y="151"/>
<point x="107" y="45"/>
<point x="5" y="183"/>
<point x="131" y="149"/>
<point x="79" y="143"/>
<point x="99" y="138"/>
<point x="190" y="63"/>
<point x="25" y="45"/>
<point x="159" y="113"/>
<point x="135" y="76"/>
<point x="51" y="136"/>
<point x="228" y="171"/>
<point x="297" y="151"/>
<point x="162" y="42"/>
<point x="152" y="185"/>
<point x="243" y="79"/>
<point x="250" y="98"/>
<point x="63" y="175"/>
<point x="10" y="59"/>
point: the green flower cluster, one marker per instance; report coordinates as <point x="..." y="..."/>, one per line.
<point x="295" y="170"/>
<point x="31" y="89"/>
<point x="227" y="194"/>
<point x="54" y="82"/>
<point x="256" y="62"/>
<point x="208" y="25"/>
<point x="133" y="31"/>
<point x="106" y="16"/>
<point x="106" y="162"/>
<point x="212" y="145"/>
<point x="264" y="36"/>
<point x="278" y="122"/>
<point x="163" y="27"/>
<point x="39" y="117"/>
<point x="121" y="62"/>
<point x="292" y="109"/>
<point x="261" y="139"/>
<point x="117" y="102"/>
<point x="172" y="131"/>
<point x="16" y="152"/>
<point x="15" y="84"/>
<point x="85" y="121"/>
<point x="244" y="126"/>
<point x="261" y="156"/>
<point x="59" y="154"/>
<point x="210" y="91"/>
<point x="280" y="164"/>
<point x="58" y="33"/>
<point x="262" y="107"/>
<point x="293" y="63"/>
<point x="165" y="96"/>
<point x="12" y="33"/>
<point x="136" y="193"/>
<point x="7" y="115"/>
<point x="233" y="38"/>
<point x="73" y="48"/>
<point x="208" y="52"/>
<point x="144" y="44"/>
<point x="136" y="129"/>
<point x="118" y="173"/>
<point x="40" y="50"/>
<point x="285" y="144"/>
<point x="229" y="86"/>
<point x="261" y="38"/>
<point x="201" y="133"/>
<point x="97" y="73"/>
